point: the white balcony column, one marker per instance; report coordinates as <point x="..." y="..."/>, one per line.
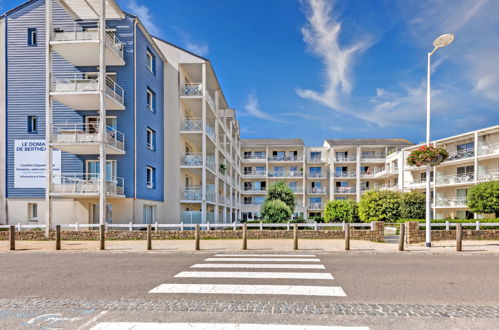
<point x="267" y="166"/>
<point x="332" y="179"/>
<point x="203" y="142"/>
<point x="102" y="113"/>
<point x="401" y="166"/>
<point x="304" y="180"/>
<point x="217" y="170"/>
<point x="48" y="117"/>
<point x="357" y="171"/>
<point x="475" y="167"/>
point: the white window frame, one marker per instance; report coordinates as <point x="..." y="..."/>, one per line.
<point x="150" y="100"/>
<point x="33" y="211"/>
<point x="150" y="139"/>
<point x="150" y="61"/>
<point x="150" y="177"/>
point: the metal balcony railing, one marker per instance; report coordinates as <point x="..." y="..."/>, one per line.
<point x="86" y="132"/>
<point x="291" y="174"/>
<point x="315" y="160"/>
<point x="297" y="190"/>
<point x="488" y="149"/>
<point x="345" y="190"/>
<point x="191" y="194"/>
<point x="255" y="174"/>
<point x="85" y="184"/>
<point x="192" y="89"/>
<point x="210" y="162"/>
<point x="315" y="206"/>
<point x="455" y="179"/>
<point x="488" y="175"/>
<point x="285" y="159"/>
<point x="210" y="131"/>
<point x="345" y="174"/>
<point x="193" y="159"/>
<point x="316" y="175"/>
<point x="451" y="202"/>
<point x="80" y="82"/>
<point x="346" y="159"/>
<point x="373" y="158"/>
<point x="460" y="154"/>
<point x="316" y="190"/>
<point x="191" y="125"/>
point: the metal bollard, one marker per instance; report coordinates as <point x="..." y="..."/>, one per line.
<point x="459" y="236"/>
<point x="196" y="238"/>
<point x="12" y="237"/>
<point x="58" y="237"/>
<point x="347" y="236"/>
<point x="401" y="236"/>
<point x="149" y="237"/>
<point x="245" y="237"/>
<point x="295" y="236"/>
<point x="102" y="237"/>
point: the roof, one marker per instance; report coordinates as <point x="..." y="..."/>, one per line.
<point x="272" y="142"/>
<point x="370" y="142"/>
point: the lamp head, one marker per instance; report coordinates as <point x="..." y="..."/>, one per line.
<point x="443" y="40"/>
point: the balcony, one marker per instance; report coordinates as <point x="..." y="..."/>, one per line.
<point x="192" y="89"/>
<point x="317" y="191"/>
<point x="347" y="159"/>
<point x="458" y="155"/>
<point x="290" y="174"/>
<point x="385" y="172"/>
<point x="191" y="125"/>
<point x="373" y="159"/>
<point x="210" y="131"/>
<point x="455" y="179"/>
<point x="255" y="175"/>
<point x="297" y="190"/>
<point x="316" y="175"/>
<point x="254" y="191"/>
<point x="194" y="159"/>
<point x="388" y="187"/>
<point x="346" y="174"/>
<point x="254" y="159"/>
<point x="488" y="150"/>
<point x="488" y="175"/>
<point x="85" y="185"/>
<point x="315" y="206"/>
<point x="195" y="194"/>
<point x="345" y="190"/>
<point x="210" y="163"/>
<point x="79" y="44"/>
<point x="80" y="91"/>
<point x="315" y="160"/>
<point x="367" y="174"/>
<point x="83" y="139"/>
<point x="285" y="159"/>
<point x="451" y="202"/>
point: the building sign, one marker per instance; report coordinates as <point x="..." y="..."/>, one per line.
<point x="29" y="164"/>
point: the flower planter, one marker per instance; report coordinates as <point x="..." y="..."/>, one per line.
<point x="427" y="155"/>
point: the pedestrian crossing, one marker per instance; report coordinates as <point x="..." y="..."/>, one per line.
<point x="299" y="268"/>
<point x="212" y="326"/>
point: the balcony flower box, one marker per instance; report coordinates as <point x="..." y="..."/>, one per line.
<point x="427" y="155"/>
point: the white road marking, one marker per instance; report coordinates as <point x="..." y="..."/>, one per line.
<point x="304" y="276"/>
<point x="212" y="326"/>
<point x="92" y="320"/>
<point x="267" y="255"/>
<point x="265" y="259"/>
<point x="278" y="266"/>
<point x="298" y="290"/>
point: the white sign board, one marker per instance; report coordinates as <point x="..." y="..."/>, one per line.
<point x="29" y="164"/>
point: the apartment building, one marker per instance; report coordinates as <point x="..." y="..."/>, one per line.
<point x="473" y="158"/>
<point x="138" y="130"/>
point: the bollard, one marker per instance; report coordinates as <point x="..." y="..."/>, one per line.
<point x="401" y="236"/>
<point x="102" y="237"/>
<point x="245" y="237"/>
<point x="459" y="236"/>
<point x="295" y="236"/>
<point x="196" y="238"/>
<point x="12" y="238"/>
<point x="149" y="237"/>
<point x="58" y="237"/>
<point x="347" y="236"/>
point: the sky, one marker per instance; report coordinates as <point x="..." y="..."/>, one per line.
<point x="324" y="69"/>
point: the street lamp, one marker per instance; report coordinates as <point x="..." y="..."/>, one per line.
<point x="440" y="42"/>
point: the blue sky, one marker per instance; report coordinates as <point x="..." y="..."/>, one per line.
<point x="320" y="69"/>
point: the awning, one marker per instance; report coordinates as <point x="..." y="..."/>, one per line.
<point x="90" y="9"/>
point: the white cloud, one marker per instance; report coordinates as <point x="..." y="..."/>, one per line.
<point x="252" y="108"/>
<point x="321" y="35"/>
<point x="198" y="47"/>
<point x="144" y="14"/>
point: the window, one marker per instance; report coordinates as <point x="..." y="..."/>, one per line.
<point x="149" y="213"/>
<point x="315" y="200"/>
<point x="151" y="139"/>
<point x="32" y="37"/>
<point x="93" y="169"/>
<point x="341" y="155"/>
<point x="32" y="124"/>
<point x="465" y="170"/>
<point x="151" y="177"/>
<point x="259" y="154"/>
<point x="151" y="61"/>
<point x="342" y="198"/>
<point x="151" y="100"/>
<point x="247" y="155"/>
<point x="315" y="155"/>
<point x="95" y="213"/>
<point x="32" y="211"/>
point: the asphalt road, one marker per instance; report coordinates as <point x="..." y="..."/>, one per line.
<point x="72" y="290"/>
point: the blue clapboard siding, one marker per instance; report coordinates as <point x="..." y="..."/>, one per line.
<point x="145" y="118"/>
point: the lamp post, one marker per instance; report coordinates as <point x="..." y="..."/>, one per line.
<point x="440" y="42"/>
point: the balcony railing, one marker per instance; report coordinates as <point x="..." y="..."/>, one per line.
<point x="388" y="186"/>
<point x="488" y="175"/>
<point x="455" y="179"/>
<point x="345" y="190"/>
<point x="460" y="154"/>
<point x="367" y="174"/>
<point x="315" y="206"/>
<point x="451" y="202"/>
<point x="315" y="160"/>
<point x="297" y="190"/>
<point x="191" y="125"/>
<point x="192" y="89"/>
<point x="196" y="194"/>
<point x="346" y="174"/>
<point x="291" y="174"/>
<point x="86" y="31"/>
<point x="254" y="191"/>
<point x="210" y="131"/>
<point x="316" y="175"/>
<point x="316" y="190"/>
<point x="254" y="158"/>
<point x="488" y="149"/>
<point x="85" y="184"/>
<point x="210" y="101"/>
<point x="373" y="158"/>
<point x="255" y="174"/>
<point x="345" y="159"/>
<point x="210" y="163"/>
<point x="86" y="133"/>
<point x="192" y="159"/>
<point x="80" y="82"/>
<point x="285" y="159"/>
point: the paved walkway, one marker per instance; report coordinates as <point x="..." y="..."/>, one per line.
<point x="280" y="245"/>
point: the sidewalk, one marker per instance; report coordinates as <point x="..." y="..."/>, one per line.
<point x="281" y="245"/>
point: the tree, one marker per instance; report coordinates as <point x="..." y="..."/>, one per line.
<point x="280" y="191"/>
<point x="379" y="206"/>
<point x="484" y="198"/>
<point x="339" y="211"/>
<point x="412" y="205"/>
<point x="275" y="211"/>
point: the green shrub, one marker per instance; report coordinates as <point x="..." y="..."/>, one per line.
<point x="339" y="211"/>
<point x="281" y="191"/>
<point x="484" y="198"/>
<point x="379" y="206"/>
<point x="413" y="205"/>
<point x="275" y="211"/>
